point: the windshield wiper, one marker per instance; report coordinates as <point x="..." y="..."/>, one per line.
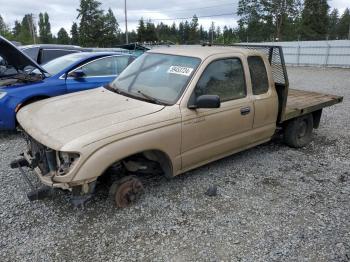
<point x="121" y="92"/>
<point x="115" y="89"/>
<point x="150" y="98"/>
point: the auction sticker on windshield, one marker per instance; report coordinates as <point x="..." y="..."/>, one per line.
<point x="180" y="70"/>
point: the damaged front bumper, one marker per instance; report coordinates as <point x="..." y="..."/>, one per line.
<point x="46" y="179"/>
<point x="53" y="169"/>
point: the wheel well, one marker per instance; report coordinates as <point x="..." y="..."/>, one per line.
<point x="150" y="161"/>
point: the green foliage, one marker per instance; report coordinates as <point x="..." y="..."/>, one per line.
<point x="141" y="31"/>
<point x="266" y="20"/>
<point x="91" y="23"/>
<point x="75" y="34"/>
<point x="4" y="29"/>
<point x="25" y="32"/>
<point x="344" y="25"/>
<point x="315" y="20"/>
<point x="260" y="20"/>
<point x="333" y="24"/>
<point x="110" y="30"/>
<point x="44" y="28"/>
<point x="63" y="37"/>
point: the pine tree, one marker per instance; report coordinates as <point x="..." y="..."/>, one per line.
<point x="141" y="31"/>
<point x="16" y="30"/>
<point x="315" y="20"/>
<point x="181" y="33"/>
<point x="111" y="30"/>
<point x="344" y="25"/>
<point x="75" y="34"/>
<point x="63" y="37"/>
<point x="4" y="29"/>
<point x="194" y="34"/>
<point x="187" y="30"/>
<point x="91" y="22"/>
<point x="44" y="28"/>
<point x="27" y="33"/>
<point x="150" y="32"/>
<point x="333" y="24"/>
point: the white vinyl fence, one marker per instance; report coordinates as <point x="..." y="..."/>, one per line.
<point x="333" y="53"/>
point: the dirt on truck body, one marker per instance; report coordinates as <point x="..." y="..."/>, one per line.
<point x="170" y="111"/>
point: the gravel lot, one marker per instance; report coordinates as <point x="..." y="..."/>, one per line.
<point x="274" y="203"/>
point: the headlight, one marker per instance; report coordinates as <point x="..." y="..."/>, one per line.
<point x="2" y="94"/>
<point x="66" y="161"/>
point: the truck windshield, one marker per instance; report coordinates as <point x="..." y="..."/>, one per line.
<point x="157" y="77"/>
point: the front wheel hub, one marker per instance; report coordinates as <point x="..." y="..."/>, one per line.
<point x="128" y="191"/>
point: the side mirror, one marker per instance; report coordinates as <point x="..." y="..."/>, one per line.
<point x="206" y="101"/>
<point x="79" y="73"/>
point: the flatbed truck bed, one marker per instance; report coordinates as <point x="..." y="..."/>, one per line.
<point x="301" y="102"/>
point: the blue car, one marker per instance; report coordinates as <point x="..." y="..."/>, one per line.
<point x="23" y="81"/>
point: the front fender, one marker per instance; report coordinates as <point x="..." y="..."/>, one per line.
<point x="166" y="139"/>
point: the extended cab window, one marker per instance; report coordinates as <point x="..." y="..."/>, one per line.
<point x="258" y="75"/>
<point x="224" y="78"/>
<point x="100" y="67"/>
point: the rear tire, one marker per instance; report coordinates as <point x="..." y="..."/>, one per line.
<point x="298" y="132"/>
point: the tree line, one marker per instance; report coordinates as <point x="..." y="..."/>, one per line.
<point x="259" y="20"/>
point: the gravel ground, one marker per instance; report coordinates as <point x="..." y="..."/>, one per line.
<point x="274" y="203"/>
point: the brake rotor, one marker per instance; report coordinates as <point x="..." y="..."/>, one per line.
<point x="128" y="191"/>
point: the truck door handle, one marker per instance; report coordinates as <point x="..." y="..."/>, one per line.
<point x="245" y="110"/>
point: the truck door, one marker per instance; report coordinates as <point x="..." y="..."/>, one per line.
<point x="208" y="134"/>
<point x="95" y="74"/>
<point x="264" y="97"/>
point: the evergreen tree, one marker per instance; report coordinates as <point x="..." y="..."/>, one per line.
<point x="186" y="33"/>
<point x="315" y="20"/>
<point x="63" y="37"/>
<point x="181" y="33"/>
<point x="91" y="22"/>
<point x="111" y="30"/>
<point x="279" y="13"/>
<point x="44" y="28"/>
<point x="27" y="32"/>
<point x="141" y="31"/>
<point x="75" y="34"/>
<point x="150" y="33"/>
<point x="202" y="34"/>
<point x="4" y="29"/>
<point x="344" y="25"/>
<point x="194" y="34"/>
<point x="333" y="24"/>
<point x="16" y="30"/>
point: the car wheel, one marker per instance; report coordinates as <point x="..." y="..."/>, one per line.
<point x="298" y="132"/>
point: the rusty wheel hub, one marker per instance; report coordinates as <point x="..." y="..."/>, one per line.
<point x="128" y="190"/>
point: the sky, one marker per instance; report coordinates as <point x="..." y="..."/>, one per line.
<point x="63" y="13"/>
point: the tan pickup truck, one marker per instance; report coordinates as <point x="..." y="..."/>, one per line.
<point x="170" y="111"/>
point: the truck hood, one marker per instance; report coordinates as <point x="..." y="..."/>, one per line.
<point x="59" y="121"/>
<point x="16" y="58"/>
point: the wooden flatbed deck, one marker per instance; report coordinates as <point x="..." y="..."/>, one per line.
<point x="300" y="102"/>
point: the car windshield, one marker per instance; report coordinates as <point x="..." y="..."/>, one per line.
<point x="157" y="77"/>
<point x="57" y="65"/>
